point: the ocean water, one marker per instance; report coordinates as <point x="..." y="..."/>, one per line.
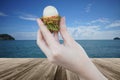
<point x="29" y="49"/>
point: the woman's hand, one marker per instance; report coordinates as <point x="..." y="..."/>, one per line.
<point x="69" y="54"/>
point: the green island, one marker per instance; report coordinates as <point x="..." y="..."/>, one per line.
<point x="6" y="37"/>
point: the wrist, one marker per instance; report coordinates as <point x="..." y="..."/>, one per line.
<point x="82" y="78"/>
<point x="90" y="72"/>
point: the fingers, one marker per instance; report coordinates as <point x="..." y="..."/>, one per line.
<point x="41" y="43"/>
<point x="64" y="33"/>
<point x="46" y="34"/>
<point x="56" y="36"/>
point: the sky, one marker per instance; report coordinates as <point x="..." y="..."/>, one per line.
<point x="85" y="19"/>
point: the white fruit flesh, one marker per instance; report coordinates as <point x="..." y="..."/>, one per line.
<point x="50" y="11"/>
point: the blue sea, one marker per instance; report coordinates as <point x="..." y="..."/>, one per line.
<point x="29" y="49"/>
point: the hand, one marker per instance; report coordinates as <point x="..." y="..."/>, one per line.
<point x="69" y="54"/>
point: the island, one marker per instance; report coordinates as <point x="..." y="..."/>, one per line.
<point x="6" y="37"/>
<point x="116" y="38"/>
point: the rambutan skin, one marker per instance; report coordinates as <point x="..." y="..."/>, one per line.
<point x="52" y="23"/>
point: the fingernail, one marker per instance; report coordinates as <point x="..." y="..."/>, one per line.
<point x="37" y="20"/>
<point x="63" y="21"/>
<point x="40" y="22"/>
<point x="64" y="18"/>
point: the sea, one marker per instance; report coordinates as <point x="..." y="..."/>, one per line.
<point x="29" y="48"/>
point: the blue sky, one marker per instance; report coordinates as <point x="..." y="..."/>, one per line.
<point x="86" y="19"/>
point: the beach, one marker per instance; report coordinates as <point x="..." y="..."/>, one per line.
<point x="42" y="69"/>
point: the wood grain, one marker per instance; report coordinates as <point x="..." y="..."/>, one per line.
<point x="41" y="69"/>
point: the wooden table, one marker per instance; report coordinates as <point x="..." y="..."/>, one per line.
<point x="41" y="69"/>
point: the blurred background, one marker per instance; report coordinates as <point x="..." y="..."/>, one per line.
<point x="93" y="23"/>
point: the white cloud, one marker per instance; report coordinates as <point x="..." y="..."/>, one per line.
<point x="78" y="33"/>
<point x="92" y="32"/>
<point x="88" y="32"/>
<point x="100" y="20"/>
<point x="3" y="14"/>
<point x="95" y="29"/>
<point x="28" y="17"/>
<point x="24" y="35"/>
<point x="88" y="8"/>
<point x="114" y="24"/>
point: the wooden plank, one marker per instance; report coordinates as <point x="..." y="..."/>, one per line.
<point x="109" y="67"/>
<point x="42" y="69"/>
